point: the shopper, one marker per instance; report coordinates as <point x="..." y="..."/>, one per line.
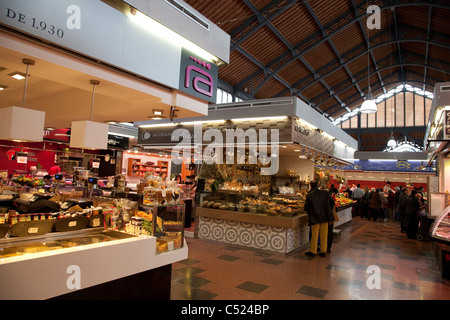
<point x="348" y="193"/>
<point x="384" y="204"/>
<point x="387" y="187"/>
<point x="319" y="207"/>
<point x="391" y="204"/>
<point x="375" y="204"/>
<point x="357" y="195"/>
<point x="397" y="196"/>
<point x="411" y="220"/>
<point x="331" y="226"/>
<point x="401" y="207"/>
<point x="333" y="190"/>
<point x="365" y="201"/>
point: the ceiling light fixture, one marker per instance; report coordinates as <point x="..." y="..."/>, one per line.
<point x="89" y="134"/>
<point x="18" y="75"/>
<point x="21" y="123"/>
<point x="2" y="87"/>
<point x="369" y="105"/>
<point x="157" y="112"/>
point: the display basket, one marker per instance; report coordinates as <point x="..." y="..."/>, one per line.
<point x="70" y="224"/>
<point x="4" y="229"/>
<point x="31" y="228"/>
<point x="96" y="221"/>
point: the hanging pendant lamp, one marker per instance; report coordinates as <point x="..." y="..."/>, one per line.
<point x="19" y="123"/>
<point x="392" y="143"/>
<point x="88" y="134"/>
<point x="369" y="105"/>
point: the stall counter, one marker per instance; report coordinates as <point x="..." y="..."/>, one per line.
<point x="89" y="271"/>
<point x="260" y="231"/>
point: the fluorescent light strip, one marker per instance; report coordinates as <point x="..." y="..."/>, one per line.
<point x="200" y="122"/>
<point x="162" y="31"/>
<point x="121" y="135"/>
<point x="157" y="125"/>
<point x="261" y="118"/>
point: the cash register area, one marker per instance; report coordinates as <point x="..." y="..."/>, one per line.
<point x="408" y="269"/>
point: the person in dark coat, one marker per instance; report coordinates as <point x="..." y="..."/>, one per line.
<point x="401" y="208"/>
<point x="411" y="219"/>
<point x="391" y="204"/>
<point x="319" y="206"/>
<point x="374" y="205"/>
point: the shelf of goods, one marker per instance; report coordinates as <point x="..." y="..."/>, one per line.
<point x="102" y="252"/>
<point x="275" y="223"/>
<point x="137" y="168"/>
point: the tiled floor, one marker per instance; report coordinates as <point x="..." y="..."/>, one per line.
<point x="407" y="270"/>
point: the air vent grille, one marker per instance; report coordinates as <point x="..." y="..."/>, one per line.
<point x="188" y="13"/>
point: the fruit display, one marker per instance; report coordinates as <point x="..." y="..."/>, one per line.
<point x="274" y="206"/>
<point x="28" y="181"/>
<point x="342" y="202"/>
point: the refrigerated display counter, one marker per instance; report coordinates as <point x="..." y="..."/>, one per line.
<point x="93" y="263"/>
<point x="440" y="236"/>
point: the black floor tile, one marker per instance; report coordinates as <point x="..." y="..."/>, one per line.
<point x="405" y="286"/>
<point x="193" y="282"/>
<point x="252" y="287"/>
<point x="351" y="283"/>
<point x="227" y="257"/>
<point x="272" y="261"/>
<point x="314" y="292"/>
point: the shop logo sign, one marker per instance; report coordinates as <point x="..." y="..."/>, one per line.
<point x="198" y="77"/>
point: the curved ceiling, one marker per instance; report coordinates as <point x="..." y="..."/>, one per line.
<point x="323" y="52"/>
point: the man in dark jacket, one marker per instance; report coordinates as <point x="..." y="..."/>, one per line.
<point x="411" y="220"/>
<point x="319" y="206"/>
<point x="401" y="208"/>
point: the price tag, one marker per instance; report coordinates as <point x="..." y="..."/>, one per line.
<point x="33" y="230"/>
<point x="72" y="223"/>
<point x="96" y="222"/>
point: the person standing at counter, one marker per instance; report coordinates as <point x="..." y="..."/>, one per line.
<point x="375" y="204"/>
<point x="357" y="195"/>
<point x="54" y="169"/>
<point x="319" y="206"/>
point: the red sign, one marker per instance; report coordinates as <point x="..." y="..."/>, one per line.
<point x="447" y="125"/>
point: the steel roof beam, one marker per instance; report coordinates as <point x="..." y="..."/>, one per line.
<point x="332" y="29"/>
<point x="359" y="51"/>
<point x="342" y="87"/>
<point x="289" y="46"/>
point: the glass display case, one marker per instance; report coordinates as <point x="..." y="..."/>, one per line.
<point x="165" y="222"/>
<point x="19" y="246"/>
<point x="440" y="230"/>
<point x="286" y="205"/>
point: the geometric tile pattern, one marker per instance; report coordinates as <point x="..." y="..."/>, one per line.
<point x="222" y="271"/>
<point x="252" y="235"/>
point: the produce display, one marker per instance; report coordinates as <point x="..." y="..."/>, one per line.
<point x="159" y="192"/>
<point x="28" y="181"/>
<point x="274" y="206"/>
<point x="342" y="202"/>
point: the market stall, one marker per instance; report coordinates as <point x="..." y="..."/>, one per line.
<point x="96" y="248"/>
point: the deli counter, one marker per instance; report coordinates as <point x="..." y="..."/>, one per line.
<point x="67" y="257"/>
<point x="440" y="236"/>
